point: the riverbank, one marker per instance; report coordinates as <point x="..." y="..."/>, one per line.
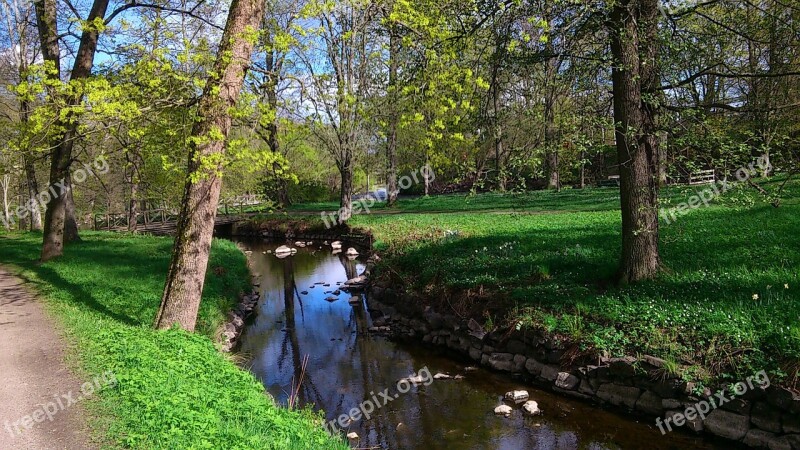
<point x="174" y="389"/>
<point x="724" y="309"/>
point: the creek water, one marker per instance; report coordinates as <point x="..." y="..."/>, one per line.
<point x="299" y="334"/>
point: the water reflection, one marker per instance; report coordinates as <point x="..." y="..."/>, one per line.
<point x="303" y="314"/>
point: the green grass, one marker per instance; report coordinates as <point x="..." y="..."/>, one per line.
<point x="567" y="200"/>
<point x="175" y="390"/>
<point x="554" y="271"/>
<point x="589" y="199"/>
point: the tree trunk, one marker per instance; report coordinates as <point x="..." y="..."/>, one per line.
<point x="56" y="212"/>
<point x="70" y="222"/>
<point x="271" y="92"/>
<point x="498" y="139"/>
<point x="31" y="185"/>
<point x="391" y="144"/>
<point x="553" y="179"/>
<point x="4" y="184"/>
<point x="60" y="204"/>
<point x="346" y="187"/>
<point x="33" y="190"/>
<point x="185" y="280"/>
<point x="133" y="203"/>
<point x="583" y="169"/>
<point x="635" y="48"/>
<point x="552" y="67"/>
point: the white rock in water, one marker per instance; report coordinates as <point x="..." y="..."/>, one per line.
<point x="283" y="249"/>
<point x="299" y="244"/>
<point x="352" y="436"/>
<point x="503" y="410"/>
<point x="352" y="252"/>
<point x="531" y="408"/>
<point x="418" y="379"/>
<point x="441" y="376"/>
<point x="336" y="245"/>
<point x="517" y="396"/>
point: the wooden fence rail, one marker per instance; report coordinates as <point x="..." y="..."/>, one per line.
<point x="163" y="219"/>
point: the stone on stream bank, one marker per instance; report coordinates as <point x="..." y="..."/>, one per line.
<point x="768" y="416"/>
<point x="503" y="410"/>
<point x="232" y="329"/>
<point x="531" y="408"/>
<point x="517" y="396"/>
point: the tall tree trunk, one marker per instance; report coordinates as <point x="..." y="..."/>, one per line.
<point x="273" y="69"/>
<point x="550" y="131"/>
<point x="56" y="216"/>
<point x="498" y="139"/>
<point x="133" y="202"/>
<point x="33" y="190"/>
<point x="553" y="178"/>
<point x="346" y="187"/>
<point x="31" y="185"/>
<point x="70" y="222"/>
<point x="633" y="30"/>
<point x="583" y="169"/>
<point x="391" y="144"/>
<point x="186" y="278"/>
<point x="5" y="183"/>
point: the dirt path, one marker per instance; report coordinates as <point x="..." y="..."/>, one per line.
<point x="34" y="382"/>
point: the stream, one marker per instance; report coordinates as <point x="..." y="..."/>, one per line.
<point x="301" y="333"/>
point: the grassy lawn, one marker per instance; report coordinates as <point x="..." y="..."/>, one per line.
<point x="570" y="200"/>
<point x="728" y="303"/>
<point x="175" y="390"/>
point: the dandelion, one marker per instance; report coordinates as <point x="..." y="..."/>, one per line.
<point x="786" y="286"/>
<point x="755" y="296"/>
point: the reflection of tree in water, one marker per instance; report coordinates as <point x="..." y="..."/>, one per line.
<point x="371" y="357"/>
<point x="349" y="266"/>
<point x="308" y="393"/>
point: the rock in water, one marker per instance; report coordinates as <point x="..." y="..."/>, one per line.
<point x="336" y="245"/>
<point x="531" y="408"/>
<point x="351" y="252"/>
<point x="517" y="396"/>
<point x="283" y="250"/>
<point x="353" y="436"/>
<point x="332" y="299"/>
<point x="503" y="410"/>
